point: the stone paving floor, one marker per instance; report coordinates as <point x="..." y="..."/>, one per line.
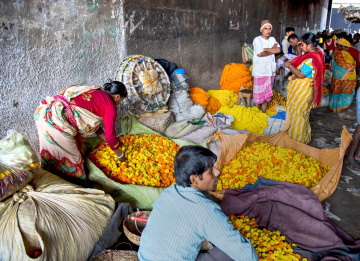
<point x="343" y="206"/>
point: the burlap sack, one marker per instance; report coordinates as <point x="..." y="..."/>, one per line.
<point x="158" y="122"/>
<point x="52" y="219"/>
<point x="231" y="144"/>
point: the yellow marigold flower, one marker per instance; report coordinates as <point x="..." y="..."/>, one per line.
<point x="225" y="97"/>
<point x="250" y="118"/>
<point x="269" y="245"/>
<point x="272" y="162"/>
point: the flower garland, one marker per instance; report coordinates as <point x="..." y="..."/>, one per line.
<point x="199" y="96"/>
<point x="250" y="118"/>
<point x="269" y="245"/>
<point x="149" y="160"/>
<point x="213" y="106"/>
<point x="234" y="76"/>
<point x="271" y="162"/>
<point x="225" y="97"/>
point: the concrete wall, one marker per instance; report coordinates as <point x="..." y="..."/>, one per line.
<point x="49" y="45"/>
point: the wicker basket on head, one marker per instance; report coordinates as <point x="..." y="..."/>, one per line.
<point x="133" y="230"/>
<point x="146" y="82"/>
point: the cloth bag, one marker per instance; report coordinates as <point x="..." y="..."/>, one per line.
<point x="247" y="53"/>
<point x="16" y="155"/>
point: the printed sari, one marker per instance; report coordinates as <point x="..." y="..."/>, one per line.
<point x="60" y="126"/>
<point x="343" y="81"/>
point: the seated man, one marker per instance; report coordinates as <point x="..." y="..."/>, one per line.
<point x="295" y="43"/>
<point x="285" y="43"/>
<point x="182" y="217"/>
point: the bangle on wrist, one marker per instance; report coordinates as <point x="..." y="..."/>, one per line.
<point x="122" y="155"/>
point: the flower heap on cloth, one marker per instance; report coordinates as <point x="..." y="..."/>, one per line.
<point x="276" y="99"/>
<point x="269" y="245"/>
<point x="250" y="118"/>
<point x="272" y="162"/>
<point x="149" y="160"/>
<point x="199" y="96"/>
<point x="225" y="97"/>
<point x="234" y="76"/>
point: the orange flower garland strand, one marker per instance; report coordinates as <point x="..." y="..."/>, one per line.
<point x="149" y="160"/>
<point x="213" y="106"/>
<point x="199" y="96"/>
<point x="272" y="162"/>
<point x="234" y="76"/>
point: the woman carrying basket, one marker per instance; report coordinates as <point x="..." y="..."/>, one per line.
<point x="304" y="89"/>
<point x="78" y="110"/>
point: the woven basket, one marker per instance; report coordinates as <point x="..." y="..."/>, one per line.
<point x="133" y="232"/>
<point x="133" y="229"/>
<point x="147" y="84"/>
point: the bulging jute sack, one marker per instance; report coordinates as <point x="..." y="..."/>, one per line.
<point x="52" y="219"/>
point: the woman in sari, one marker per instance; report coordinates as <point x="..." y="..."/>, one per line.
<point x="78" y="110"/>
<point x="304" y="89"/>
<point x="343" y="80"/>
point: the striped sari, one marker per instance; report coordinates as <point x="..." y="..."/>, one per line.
<point x="343" y="81"/>
<point x="60" y="126"/>
<point x="300" y="97"/>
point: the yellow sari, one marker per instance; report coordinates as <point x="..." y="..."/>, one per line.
<point x="300" y="95"/>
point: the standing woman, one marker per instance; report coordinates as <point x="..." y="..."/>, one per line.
<point x="343" y="81"/>
<point x="78" y="110"/>
<point x="304" y="89"/>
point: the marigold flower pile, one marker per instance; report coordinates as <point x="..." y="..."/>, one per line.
<point x="325" y="90"/>
<point x="250" y="118"/>
<point x="199" y="96"/>
<point x="276" y="99"/>
<point x="225" y="97"/>
<point x="272" y="162"/>
<point x="149" y="160"/>
<point x="234" y="76"/>
<point x="269" y="245"/>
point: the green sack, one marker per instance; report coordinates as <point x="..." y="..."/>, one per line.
<point x="182" y="128"/>
<point x="137" y="196"/>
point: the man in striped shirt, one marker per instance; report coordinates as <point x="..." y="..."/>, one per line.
<point x="182" y="217"/>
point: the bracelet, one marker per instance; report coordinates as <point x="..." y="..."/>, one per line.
<point x="122" y="155"/>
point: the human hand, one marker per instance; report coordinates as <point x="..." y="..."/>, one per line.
<point x="275" y="45"/>
<point x="287" y="63"/>
<point x="121" y="159"/>
<point x="120" y="155"/>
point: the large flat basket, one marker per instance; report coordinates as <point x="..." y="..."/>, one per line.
<point x="147" y="84"/>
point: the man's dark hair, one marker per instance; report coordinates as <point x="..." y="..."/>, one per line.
<point x="192" y="160"/>
<point x="292" y="36"/>
<point x="289" y="29"/>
